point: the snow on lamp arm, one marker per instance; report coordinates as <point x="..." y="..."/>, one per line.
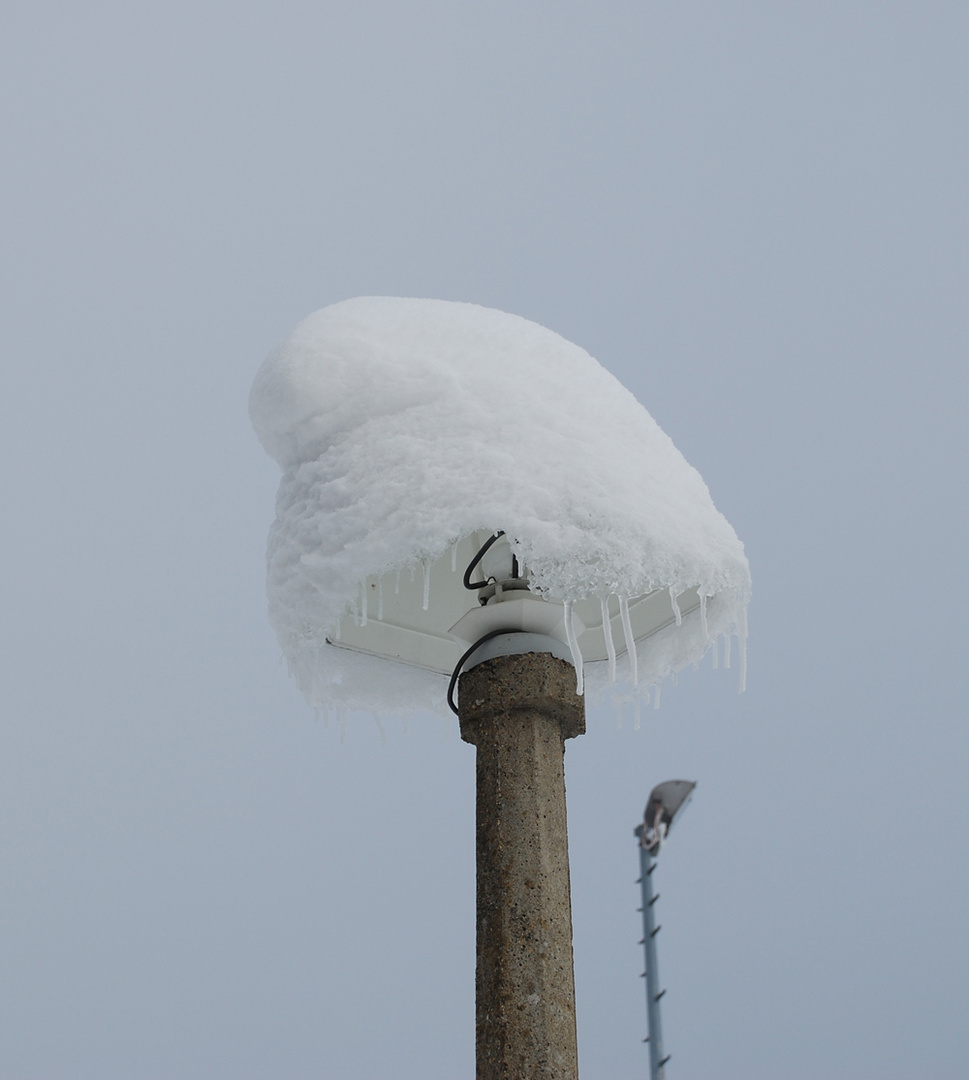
<point x="408" y="432"/>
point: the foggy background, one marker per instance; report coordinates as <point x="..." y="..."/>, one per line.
<point x="755" y="215"/>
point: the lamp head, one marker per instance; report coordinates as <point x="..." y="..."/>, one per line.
<point x="666" y="802"/>
<point x="408" y="431"/>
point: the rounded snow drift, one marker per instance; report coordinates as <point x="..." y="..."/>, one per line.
<point x="408" y="432"/>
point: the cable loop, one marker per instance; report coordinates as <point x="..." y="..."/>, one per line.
<point x="460" y="664"/>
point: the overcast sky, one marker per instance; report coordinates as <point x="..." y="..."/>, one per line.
<point x="755" y="215"/>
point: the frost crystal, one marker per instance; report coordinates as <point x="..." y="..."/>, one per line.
<point x="405" y="426"/>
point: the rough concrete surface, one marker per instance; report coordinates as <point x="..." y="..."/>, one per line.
<point x="518" y="711"/>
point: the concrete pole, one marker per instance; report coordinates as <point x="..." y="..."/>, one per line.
<point x="518" y="711"/>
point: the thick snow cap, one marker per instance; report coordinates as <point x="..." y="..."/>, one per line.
<point x="408" y="428"/>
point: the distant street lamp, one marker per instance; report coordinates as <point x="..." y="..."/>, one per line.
<point x="665" y="802"/>
<point x="472" y="504"/>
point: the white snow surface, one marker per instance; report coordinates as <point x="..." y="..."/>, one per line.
<point x="402" y="425"/>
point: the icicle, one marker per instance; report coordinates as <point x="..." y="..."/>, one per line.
<point x="413" y="573"/>
<point x="676" y="608"/>
<point x="427" y="582"/>
<point x="742" y="650"/>
<point x="397" y="583"/>
<point x="574" y="647"/>
<point x="607" y="634"/>
<point x="380" y="598"/>
<point x="726" y="649"/>
<point x="380" y="728"/>
<point x="703" y="616"/>
<point x="638" y="711"/>
<point x="454" y="557"/>
<point x="716" y="653"/>
<point x="363" y="602"/>
<point x="356" y="612"/>
<point x="627" y="633"/>
<point x="338" y="632"/>
<point x="659" y="687"/>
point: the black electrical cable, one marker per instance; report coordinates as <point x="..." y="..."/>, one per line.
<point x="468" y="583"/>
<point x="460" y="664"/>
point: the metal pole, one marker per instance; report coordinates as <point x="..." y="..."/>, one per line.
<point x="657" y="1060"/>
<point x="518" y="711"/>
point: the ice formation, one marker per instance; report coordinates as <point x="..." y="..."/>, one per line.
<point x="404" y="426"/>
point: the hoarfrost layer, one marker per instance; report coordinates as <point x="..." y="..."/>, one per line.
<point x="402" y="426"/>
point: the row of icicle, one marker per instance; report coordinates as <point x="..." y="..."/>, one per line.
<point x="361" y="615"/>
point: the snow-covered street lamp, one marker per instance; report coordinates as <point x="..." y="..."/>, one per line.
<point x="471" y="503"/>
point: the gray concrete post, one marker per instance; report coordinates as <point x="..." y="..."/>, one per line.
<point x="518" y="711"/>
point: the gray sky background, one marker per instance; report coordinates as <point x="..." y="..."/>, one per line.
<point x="755" y="215"/>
